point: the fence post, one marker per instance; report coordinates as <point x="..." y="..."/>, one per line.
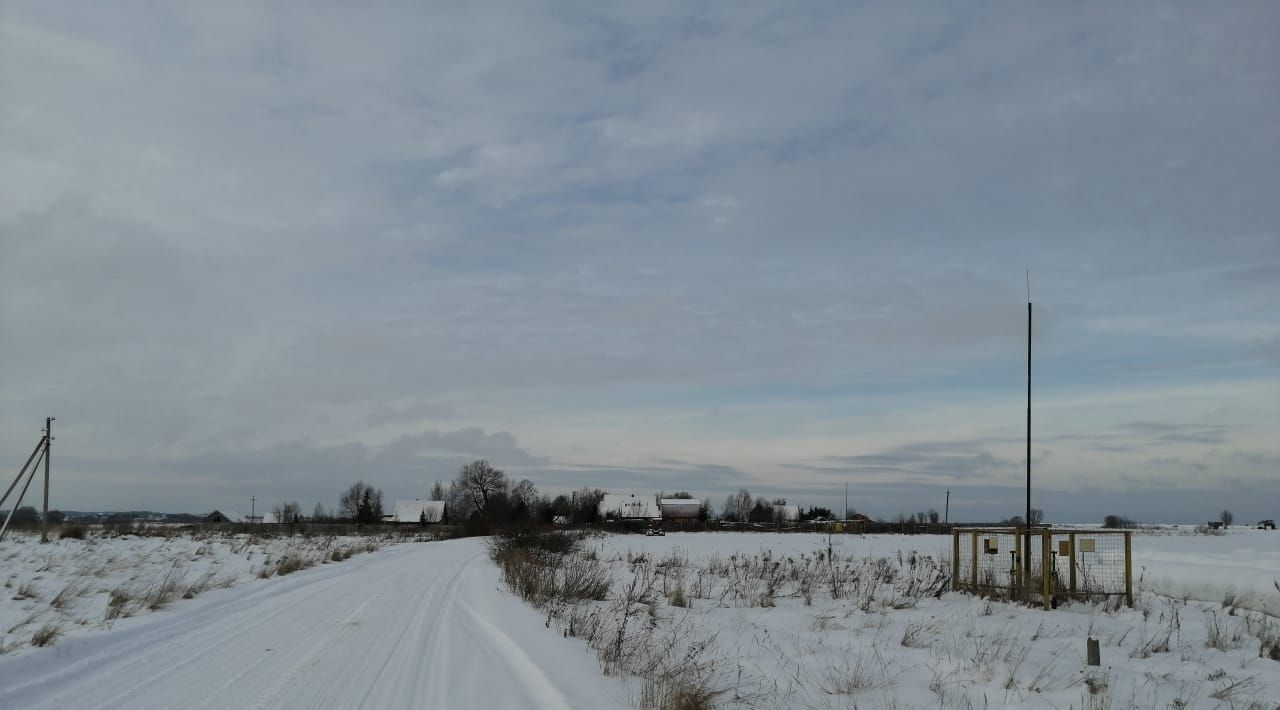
<point x="1019" y="574"/>
<point x="973" y="536"/>
<point x="1128" y="568"/>
<point x="1071" y="558"/>
<point x="1046" y="567"/>
<point x="955" y="561"/>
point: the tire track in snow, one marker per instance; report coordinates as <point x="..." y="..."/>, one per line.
<point x="122" y="664"/>
<point x="414" y="626"/>
<point x="540" y="688"/>
<point x="319" y="647"/>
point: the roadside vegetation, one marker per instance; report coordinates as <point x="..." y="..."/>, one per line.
<point x="817" y="624"/>
<point x="92" y="577"/>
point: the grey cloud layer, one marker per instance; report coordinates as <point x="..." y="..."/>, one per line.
<point x="231" y="225"/>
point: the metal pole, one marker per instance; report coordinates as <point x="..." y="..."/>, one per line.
<point x="955" y="561"/>
<point x="1128" y="568"/>
<point x="48" y="454"/>
<point x="1027" y="521"/>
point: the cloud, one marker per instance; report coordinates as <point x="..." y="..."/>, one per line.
<point x="261" y="241"/>
<point x="920" y="461"/>
<point x="1165" y="432"/>
<point x="670" y="476"/>
<point x="386" y="412"/>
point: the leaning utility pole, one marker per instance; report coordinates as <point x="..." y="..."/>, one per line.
<point x="946" y="510"/>
<point x="48" y="454"/>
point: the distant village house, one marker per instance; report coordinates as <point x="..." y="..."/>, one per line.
<point x="418" y="511"/>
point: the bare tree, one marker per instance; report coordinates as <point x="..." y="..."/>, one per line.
<point x="288" y="512"/>
<point x="586" y="505"/>
<point x="933" y="516"/>
<point x="319" y="514"/>
<point x="737" y="506"/>
<point x="438" y="491"/>
<point x="457" y="503"/>
<point x="479" y="481"/>
<point x="524" y="492"/>
<point x="1227" y="518"/>
<point x="361" y="503"/>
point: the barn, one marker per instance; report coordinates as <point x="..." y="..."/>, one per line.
<point x="681" y="509"/>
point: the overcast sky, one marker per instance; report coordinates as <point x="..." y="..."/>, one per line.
<point x="265" y="250"/>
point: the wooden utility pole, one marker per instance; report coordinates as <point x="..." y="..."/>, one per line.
<point x="845" y="516"/>
<point x="252" y="502"/>
<point x="946" y="510"/>
<point x="48" y="454"/>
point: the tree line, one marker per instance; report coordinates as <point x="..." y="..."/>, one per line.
<point x="481" y="497"/>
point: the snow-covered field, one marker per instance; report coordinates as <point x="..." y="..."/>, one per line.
<point x="1243" y="563"/>
<point x="743" y="620"/>
<point x="761" y="620"/>
<point x="71" y="586"/>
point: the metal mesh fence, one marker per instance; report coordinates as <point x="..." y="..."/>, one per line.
<point x="1042" y="564"/>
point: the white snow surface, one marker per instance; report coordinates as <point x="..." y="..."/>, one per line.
<point x="415" y="625"/>
<point x="772" y="648"/>
<point x="428" y="625"/>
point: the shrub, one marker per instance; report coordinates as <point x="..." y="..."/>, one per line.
<point x="1117" y="521"/>
<point x="46" y="635"/>
<point x="584" y="579"/>
<point x="73" y="531"/>
<point x="167" y="590"/>
<point x="64" y="597"/>
<point x="680" y="690"/>
<point x="117" y="604"/>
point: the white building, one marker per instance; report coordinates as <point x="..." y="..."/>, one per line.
<point x="629" y="506"/>
<point x="413" y="511"/>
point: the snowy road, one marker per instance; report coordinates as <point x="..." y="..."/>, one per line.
<point x="412" y="626"/>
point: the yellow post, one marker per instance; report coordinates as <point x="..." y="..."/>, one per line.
<point x="1071" y="559"/>
<point x="974" y="572"/>
<point x="1046" y="567"/>
<point x="955" y="561"/>
<point x="1128" y="568"/>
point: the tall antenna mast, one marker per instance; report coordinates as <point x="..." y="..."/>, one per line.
<point x="1027" y="561"/>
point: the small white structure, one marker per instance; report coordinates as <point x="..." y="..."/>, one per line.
<point x="416" y="510"/>
<point x="629" y="506"/>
